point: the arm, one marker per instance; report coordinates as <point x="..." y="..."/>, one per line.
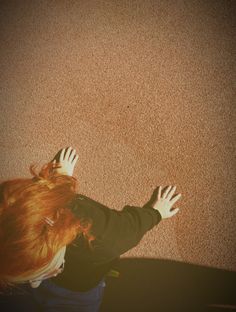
<point x="116" y="231"/>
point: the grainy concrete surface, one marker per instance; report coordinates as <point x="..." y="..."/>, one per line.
<point x="144" y="91"/>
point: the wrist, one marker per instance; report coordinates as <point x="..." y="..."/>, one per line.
<point x="162" y="217"/>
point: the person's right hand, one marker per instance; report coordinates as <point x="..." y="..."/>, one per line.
<point x="164" y="203"/>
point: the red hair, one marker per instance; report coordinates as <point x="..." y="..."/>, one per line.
<point x="27" y="242"/>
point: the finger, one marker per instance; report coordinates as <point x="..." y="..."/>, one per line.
<point x="174" y="199"/>
<point x="75" y="160"/>
<point x="173" y="212"/>
<point x="171" y="193"/>
<point x="62" y="155"/>
<point x="159" y="193"/>
<point x="166" y="192"/>
<point x="72" y="155"/>
<point x="68" y="153"/>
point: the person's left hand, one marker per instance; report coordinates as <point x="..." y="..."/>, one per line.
<point x="67" y="161"/>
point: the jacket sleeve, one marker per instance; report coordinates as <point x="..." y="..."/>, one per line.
<point x="116" y="231"/>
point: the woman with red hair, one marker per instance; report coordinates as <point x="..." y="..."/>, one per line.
<point x="58" y="246"/>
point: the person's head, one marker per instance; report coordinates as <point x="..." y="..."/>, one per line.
<point x="36" y="225"/>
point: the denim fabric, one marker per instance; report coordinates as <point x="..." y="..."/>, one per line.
<point x="53" y="298"/>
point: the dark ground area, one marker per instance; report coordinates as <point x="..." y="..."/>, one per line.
<point x="151" y="285"/>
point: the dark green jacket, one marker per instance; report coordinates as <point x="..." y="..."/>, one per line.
<point x="116" y="232"/>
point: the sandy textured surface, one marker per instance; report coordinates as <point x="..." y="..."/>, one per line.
<point x="144" y="91"/>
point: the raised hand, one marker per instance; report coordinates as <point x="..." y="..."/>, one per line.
<point x="67" y="160"/>
<point x="164" y="202"/>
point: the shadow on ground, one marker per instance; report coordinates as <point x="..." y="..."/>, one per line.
<point x="151" y="285"/>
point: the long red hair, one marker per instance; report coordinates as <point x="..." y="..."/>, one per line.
<point x="27" y="242"/>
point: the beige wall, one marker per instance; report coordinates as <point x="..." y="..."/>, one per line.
<point x="144" y="91"/>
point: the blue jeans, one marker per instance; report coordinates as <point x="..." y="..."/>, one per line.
<point x="53" y="298"/>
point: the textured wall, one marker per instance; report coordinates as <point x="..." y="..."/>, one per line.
<point x="144" y="91"/>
